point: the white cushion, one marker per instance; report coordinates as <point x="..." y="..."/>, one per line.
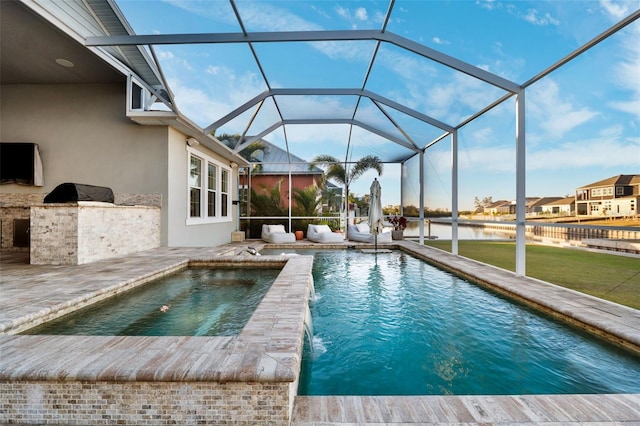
<point x="277" y="229"/>
<point x="322" y="228"/>
<point x="281" y="238"/>
<point x="363" y="227"/>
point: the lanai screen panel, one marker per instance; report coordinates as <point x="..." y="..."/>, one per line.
<point x="490" y="36"/>
<point x="582" y="129"/>
<point x="311" y="140"/>
<point x="299" y="107"/>
<point x="487" y="158"/>
<point x="428" y="87"/>
<point x="409" y="129"/>
<point x="364" y="142"/>
<point x="326" y="64"/>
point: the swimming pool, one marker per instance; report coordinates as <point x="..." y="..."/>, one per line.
<point x="391" y="324"/>
<point x="196" y="301"/>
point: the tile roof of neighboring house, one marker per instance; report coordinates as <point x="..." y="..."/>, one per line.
<point x="615" y="180"/>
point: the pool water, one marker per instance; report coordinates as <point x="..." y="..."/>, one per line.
<point x="192" y="302"/>
<point x="391" y="324"/>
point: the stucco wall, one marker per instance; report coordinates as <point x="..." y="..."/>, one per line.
<point x="85" y="137"/>
<point x="181" y="234"/>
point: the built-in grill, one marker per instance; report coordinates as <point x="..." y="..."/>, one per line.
<point x="74" y="192"/>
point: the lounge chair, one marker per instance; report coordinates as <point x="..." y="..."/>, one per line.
<point x="276" y="234"/>
<point x="323" y="234"/>
<point x="362" y="233"/>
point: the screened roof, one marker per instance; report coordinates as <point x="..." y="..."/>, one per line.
<point x="357" y="78"/>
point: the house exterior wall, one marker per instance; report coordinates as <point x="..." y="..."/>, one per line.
<point x="85" y="137"/>
<point x="182" y="234"/>
<point x="613" y="199"/>
<point x="558" y="209"/>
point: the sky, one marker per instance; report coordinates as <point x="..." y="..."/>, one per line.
<point x="582" y="120"/>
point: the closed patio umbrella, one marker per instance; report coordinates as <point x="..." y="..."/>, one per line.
<point x="375" y="210"/>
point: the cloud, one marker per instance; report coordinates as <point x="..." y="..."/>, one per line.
<point x="487" y="159"/>
<point x="256" y="15"/>
<point x="320" y="11"/>
<point x="438" y="40"/>
<point x="358" y="14"/>
<point x="483" y="135"/>
<point x="204" y="9"/>
<point x="534" y="17"/>
<point x="531" y="15"/>
<point x="217" y="96"/>
<point x="615" y="9"/>
<point x="607" y="149"/>
<point x="361" y="14"/>
<point x="556" y="116"/>
<point x="456" y="96"/>
<point x="627" y="72"/>
<point x="488" y="4"/>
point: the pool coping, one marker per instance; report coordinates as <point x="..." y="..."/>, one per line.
<point x="617" y="323"/>
<point x="268" y="349"/>
<point x="264" y="351"/>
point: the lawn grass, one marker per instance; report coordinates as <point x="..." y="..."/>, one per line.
<point x="607" y="276"/>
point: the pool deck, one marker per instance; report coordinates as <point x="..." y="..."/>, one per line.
<point x="29" y="293"/>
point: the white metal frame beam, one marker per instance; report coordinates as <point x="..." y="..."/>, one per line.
<point x="350" y="121"/>
<point x="328" y="92"/>
<point x="309" y="36"/>
<point x="380" y="36"/>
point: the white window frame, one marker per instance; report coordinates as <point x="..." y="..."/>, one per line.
<point x="218" y="216"/>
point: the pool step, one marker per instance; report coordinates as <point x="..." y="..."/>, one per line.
<point x="522" y="409"/>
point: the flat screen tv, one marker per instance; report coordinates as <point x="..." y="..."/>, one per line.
<point x="20" y="163"/>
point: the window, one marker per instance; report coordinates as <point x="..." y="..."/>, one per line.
<point x="224" y="192"/>
<point x="619" y="190"/>
<point x="209" y="190"/>
<point x="136" y="96"/>
<point x="195" y="186"/>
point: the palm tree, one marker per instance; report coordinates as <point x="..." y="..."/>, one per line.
<point x="306" y="201"/>
<point x="254" y="152"/>
<point x="332" y="199"/>
<point x="345" y="175"/>
<point x="267" y="201"/>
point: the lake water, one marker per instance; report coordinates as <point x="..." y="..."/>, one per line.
<point x="443" y="232"/>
